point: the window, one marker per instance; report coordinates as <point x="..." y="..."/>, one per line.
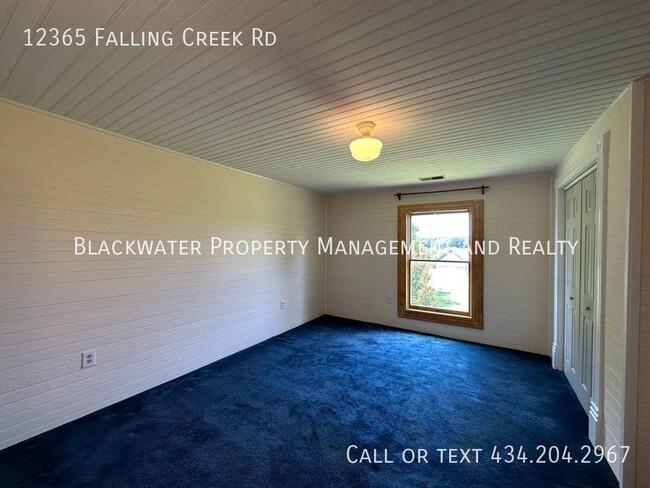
<point x="440" y="274"/>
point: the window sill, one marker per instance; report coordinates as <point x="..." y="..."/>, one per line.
<point x="442" y="318"/>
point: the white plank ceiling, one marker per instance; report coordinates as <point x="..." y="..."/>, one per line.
<point x="464" y="88"/>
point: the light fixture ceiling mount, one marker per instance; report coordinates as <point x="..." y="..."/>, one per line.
<point x="365" y="148"/>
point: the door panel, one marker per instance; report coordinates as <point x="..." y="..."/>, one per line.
<point x="572" y="291"/>
<point x="579" y="287"/>
<point x="588" y="276"/>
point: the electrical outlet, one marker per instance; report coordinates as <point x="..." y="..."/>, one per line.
<point x="88" y="358"/>
<point x="283" y="305"/>
<point x="389" y="299"/>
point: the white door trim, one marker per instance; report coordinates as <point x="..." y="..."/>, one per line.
<point x="632" y="283"/>
<point x="595" y="162"/>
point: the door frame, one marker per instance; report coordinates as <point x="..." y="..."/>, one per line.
<point x="633" y="280"/>
<point x="594" y="162"/>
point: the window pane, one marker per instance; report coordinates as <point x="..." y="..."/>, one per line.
<point x="441" y="236"/>
<point x="440" y="285"/>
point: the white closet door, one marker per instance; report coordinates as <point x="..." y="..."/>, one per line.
<point x="579" y="287"/>
<point x="587" y="280"/>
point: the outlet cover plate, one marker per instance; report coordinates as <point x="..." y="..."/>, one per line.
<point x="88" y="358"/>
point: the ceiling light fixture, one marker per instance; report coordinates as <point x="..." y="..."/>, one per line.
<point x="365" y="148"/>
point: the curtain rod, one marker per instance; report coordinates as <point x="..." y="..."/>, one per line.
<point x="482" y="188"/>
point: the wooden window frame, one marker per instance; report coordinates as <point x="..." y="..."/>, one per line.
<point x="473" y="318"/>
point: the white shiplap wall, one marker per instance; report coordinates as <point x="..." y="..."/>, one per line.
<point x="643" y="418"/>
<point x="616" y="123"/>
<point x="150" y="319"/>
<point x="516" y="288"/>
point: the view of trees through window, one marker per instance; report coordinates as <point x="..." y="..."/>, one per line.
<point x="439" y="260"/>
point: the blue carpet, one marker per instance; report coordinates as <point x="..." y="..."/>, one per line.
<point x="283" y="414"/>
